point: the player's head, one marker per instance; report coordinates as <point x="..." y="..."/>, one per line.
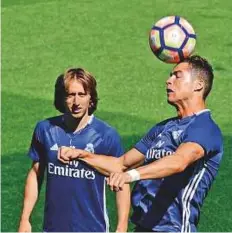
<point x="75" y="92"/>
<point x="192" y="77"/>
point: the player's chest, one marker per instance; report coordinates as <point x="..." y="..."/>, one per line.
<point x="165" y="143"/>
<point x="89" y="141"/>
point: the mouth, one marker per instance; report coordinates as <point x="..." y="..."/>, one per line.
<point x="169" y="90"/>
<point x="75" y="109"/>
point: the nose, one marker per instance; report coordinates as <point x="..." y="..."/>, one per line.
<point x="169" y="81"/>
<point x="76" y="100"/>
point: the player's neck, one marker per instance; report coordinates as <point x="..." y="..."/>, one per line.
<point x="75" y="124"/>
<point x="189" y="109"/>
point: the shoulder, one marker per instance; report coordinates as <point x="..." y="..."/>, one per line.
<point x="103" y="127"/>
<point x="204" y="123"/>
<point x="204" y="131"/>
<point x="110" y="138"/>
<point x="166" y="121"/>
<point x="160" y="126"/>
<point x="48" y="123"/>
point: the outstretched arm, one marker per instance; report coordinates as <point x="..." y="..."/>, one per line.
<point x="104" y="164"/>
<point x="32" y="188"/>
<point x="186" y="154"/>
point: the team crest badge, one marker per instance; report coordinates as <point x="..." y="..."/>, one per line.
<point x="176" y="134"/>
<point x="89" y="147"/>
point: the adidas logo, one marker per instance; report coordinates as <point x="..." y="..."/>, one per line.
<point x="54" y="147"/>
<point x="159" y="143"/>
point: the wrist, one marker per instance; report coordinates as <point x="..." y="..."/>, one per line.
<point x="134" y="175"/>
<point x="87" y="154"/>
<point x="25" y="216"/>
<point x="22" y="219"/>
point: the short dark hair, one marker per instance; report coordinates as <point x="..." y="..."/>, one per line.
<point x="203" y="70"/>
<point x="85" y="78"/>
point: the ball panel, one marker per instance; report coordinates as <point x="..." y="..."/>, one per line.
<point x="187" y="26"/>
<point x="155" y="43"/>
<point x="189" y="47"/>
<point x="174" y="36"/>
<point x="165" y="21"/>
<point x="169" y="56"/>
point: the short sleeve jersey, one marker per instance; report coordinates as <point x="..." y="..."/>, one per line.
<point x="173" y="203"/>
<point x="75" y="192"/>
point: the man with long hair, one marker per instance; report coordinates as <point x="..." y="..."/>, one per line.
<point x="75" y="192"/>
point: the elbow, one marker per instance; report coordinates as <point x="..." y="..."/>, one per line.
<point x="179" y="167"/>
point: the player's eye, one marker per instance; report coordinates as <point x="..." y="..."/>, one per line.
<point x="70" y="95"/>
<point x="81" y="94"/>
<point x="178" y="75"/>
<point x="174" y="74"/>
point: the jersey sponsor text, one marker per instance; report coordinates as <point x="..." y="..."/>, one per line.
<point x="70" y="171"/>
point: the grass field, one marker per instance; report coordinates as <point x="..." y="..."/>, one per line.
<point x="42" y="38"/>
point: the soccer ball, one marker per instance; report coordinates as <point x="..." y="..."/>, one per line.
<point x="172" y="39"/>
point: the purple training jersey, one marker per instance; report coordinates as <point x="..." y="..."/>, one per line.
<point x="173" y="203"/>
<point x="75" y="192"/>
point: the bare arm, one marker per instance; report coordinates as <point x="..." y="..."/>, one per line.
<point x="185" y="155"/>
<point x="104" y="164"/>
<point x="32" y="188"/>
<point x="123" y="207"/>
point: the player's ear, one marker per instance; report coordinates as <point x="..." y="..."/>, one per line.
<point x="199" y="85"/>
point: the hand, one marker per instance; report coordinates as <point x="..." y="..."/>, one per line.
<point x="65" y="154"/>
<point x="117" y="180"/>
<point x="24" y="226"/>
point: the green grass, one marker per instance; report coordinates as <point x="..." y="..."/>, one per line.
<point x="41" y="39"/>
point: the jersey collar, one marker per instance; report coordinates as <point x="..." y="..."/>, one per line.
<point x="202" y="111"/>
